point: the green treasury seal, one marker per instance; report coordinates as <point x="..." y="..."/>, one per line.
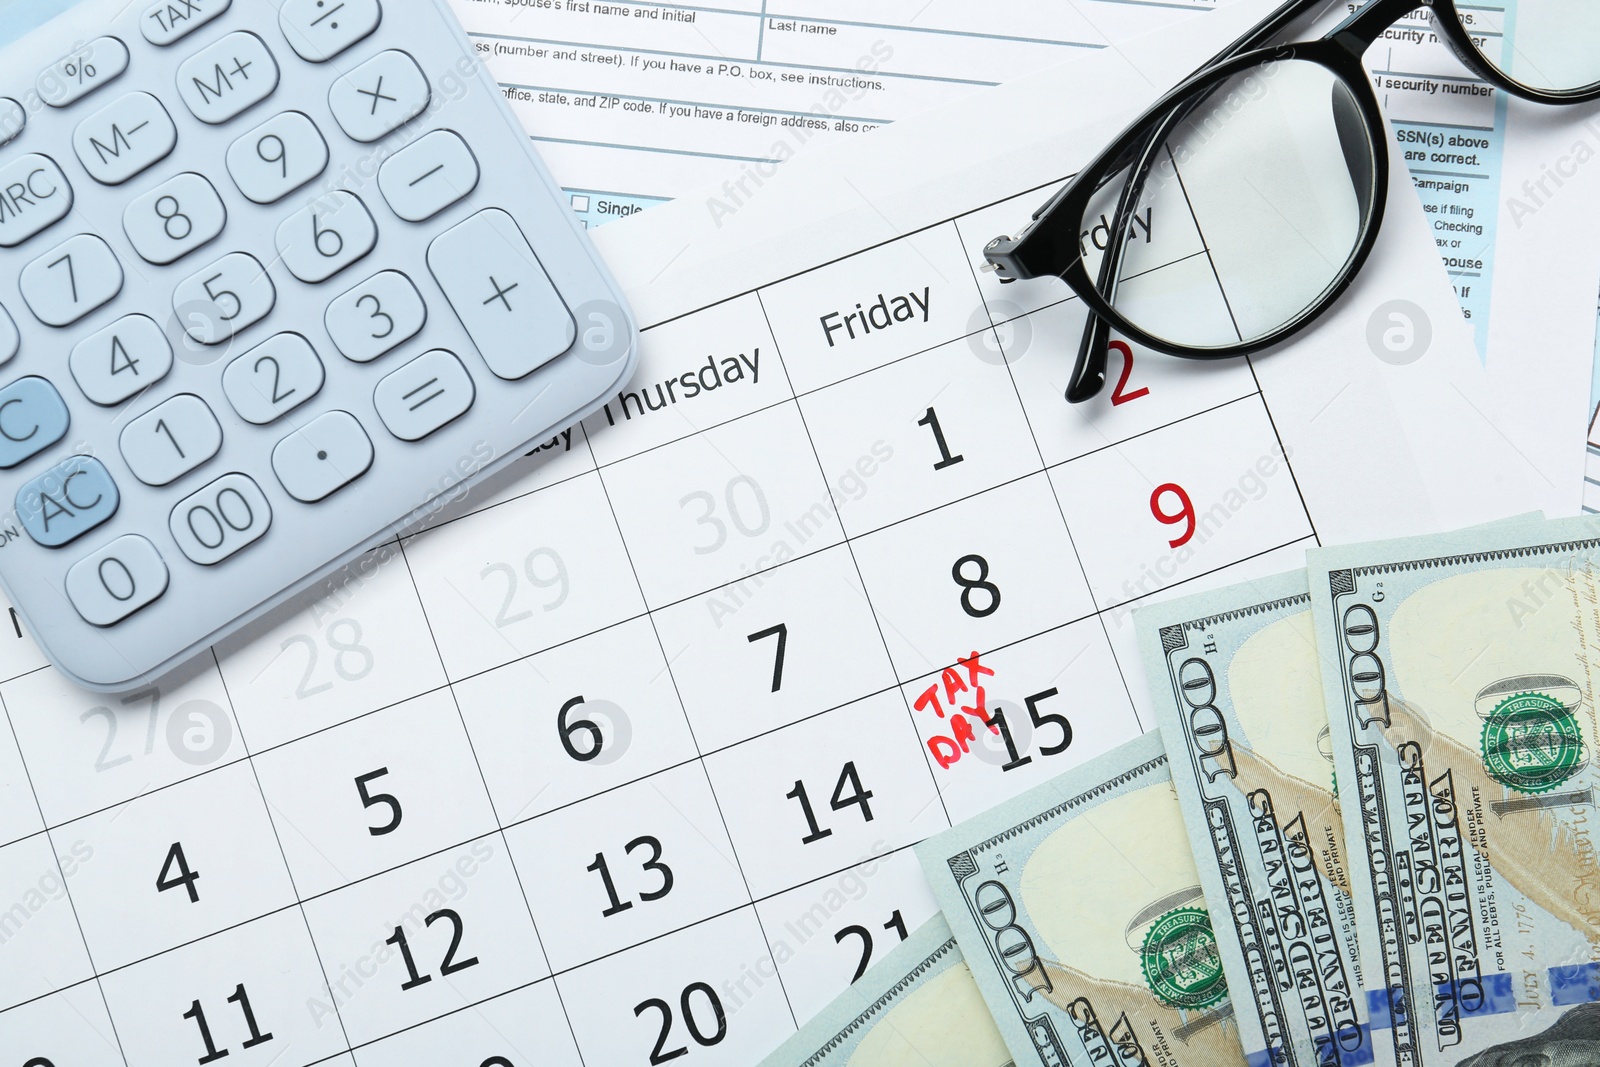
<point x="1532" y="743"/>
<point x="1180" y="960"/>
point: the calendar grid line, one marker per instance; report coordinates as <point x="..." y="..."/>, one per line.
<point x="855" y="564"/>
<point x="1033" y="436"/>
<point x="277" y="839"/>
<point x="550" y="976"/>
<point x="493" y="809"/>
<point x="694" y="739"/>
<point x="65" y="888"/>
<point x="862" y="251"/>
<point x="1273" y="421"/>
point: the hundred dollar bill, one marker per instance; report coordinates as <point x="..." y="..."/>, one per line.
<point x="917" y="1007"/>
<point x="1237" y="688"/>
<point x="1460" y="685"/>
<point x="1079" y="911"/>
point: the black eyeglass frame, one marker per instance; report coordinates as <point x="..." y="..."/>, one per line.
<point x="1050" y="243"/>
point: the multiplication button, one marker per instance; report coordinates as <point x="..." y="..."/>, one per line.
<point x="382" y="94"/>
<point x="109" y="585"/>
<point x="423" y="395"/>
<point x="502" y="294"/>
<point x="324" y="455"/>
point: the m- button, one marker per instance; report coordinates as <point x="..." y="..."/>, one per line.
<point x="501" y="294"/>
<point x="34" y="195"/>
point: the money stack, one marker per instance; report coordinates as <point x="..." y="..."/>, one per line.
<point x="1364" y="833"/>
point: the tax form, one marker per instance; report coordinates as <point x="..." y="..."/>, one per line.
<point x="635" y="103"/>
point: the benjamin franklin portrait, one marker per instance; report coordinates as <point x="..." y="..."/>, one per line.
<point x="1574" y="1041"/>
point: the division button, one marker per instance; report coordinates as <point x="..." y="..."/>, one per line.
<point x="324" y="455"/>
<point x="318" y="30"/>
<point x="109" y="585"/>
<point x="424" y="395"/>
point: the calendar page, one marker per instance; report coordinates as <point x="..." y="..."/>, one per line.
<point x="622" y="760"/>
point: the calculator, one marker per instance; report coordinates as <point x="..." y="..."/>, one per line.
<point x="276" y="278"/>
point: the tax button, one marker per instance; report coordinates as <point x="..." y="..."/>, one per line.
<point x="109" y="585"/>
<point x="32" y="418"/>
<point x="67" y="501"/>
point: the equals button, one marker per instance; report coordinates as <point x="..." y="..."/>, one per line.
<point x="424" y="395"/>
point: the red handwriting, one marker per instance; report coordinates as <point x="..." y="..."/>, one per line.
<point x="947" y="750"/>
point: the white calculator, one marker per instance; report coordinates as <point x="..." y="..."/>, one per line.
<point x="272" y="274"/>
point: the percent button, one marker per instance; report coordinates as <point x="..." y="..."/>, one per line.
<point x="73" y="77"/>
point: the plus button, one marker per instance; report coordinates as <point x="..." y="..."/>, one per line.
<point x="499" y="293"/>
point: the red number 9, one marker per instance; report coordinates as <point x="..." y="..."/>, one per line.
<point x="1185" y="514"/>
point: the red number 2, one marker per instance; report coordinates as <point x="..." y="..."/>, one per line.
<point x="1118" y="397"/>
<point x="1184" y="515"/>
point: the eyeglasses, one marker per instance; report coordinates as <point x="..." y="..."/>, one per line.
<point x="1241" y="205"/>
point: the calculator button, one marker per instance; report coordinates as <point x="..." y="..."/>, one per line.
<point x="32" y="418"/>
<point x="276" y="376"/>
<point x="174" y="218"/>
<point x="220" y="519"/>
<point x="71" y="280"/>
<point x="75" y="76"/>
<point x="169" y="20"/>
<point x="423" y="395"/>
<point x="227" y="77"/>
<point x="34" y="194"/>
<point x="126" y="357"/>
<point x="277" y="157"/>
<point x="496" y="285"/>
<point x="108" y="585"/>
<point x="12" y="119"/>
<point x="10" y="339"/>
<point x="228" y="296"/>
<point x="318" y="30"/>
<point x="424" y="178"/>
<point x="323" y="239"/>
<point x="171" y="439"/>
<point x="67" y="501"/>
<point x="375" y="317"/>
<point x="124" y="137"/>
<point x="382" y="94"/>
<point x="326" y="454"/>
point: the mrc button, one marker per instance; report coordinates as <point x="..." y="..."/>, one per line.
<point x="34" y="194"/>
<point x="67" y="501"/>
